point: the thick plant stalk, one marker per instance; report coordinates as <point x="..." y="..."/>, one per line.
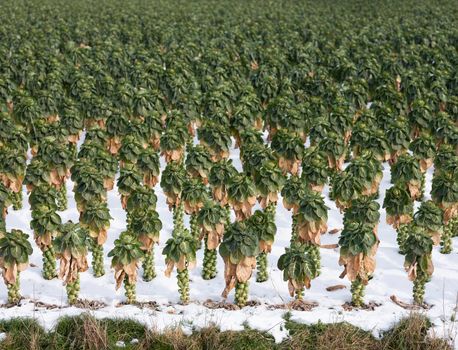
<point x="402" y="234"/>
<point x="241" y="293"/>
<point x="228" y="214"/>
<point x="419" y="287"/>
<point x="314" y="252"/>
<point x="271" y="210"/>
<point x="261" y="262"/>
<point x="178" y="217"/>
<point x="195" y="229"/>
<point x="209" y="265"/>
<point x="454" y="226"/>
<point x="357" y="292"/>
<point x="262" y="259"/>
<point x="49" y="263"/>
<point x="446" y="241"/>
<point x="73" y="290"/>
<point x="62" y="203"/>
<point x="299" y="294"/>
<point x="183" y="285"/>
<point x="422" y="187"/>
<point x="148" y="266"/>
<point x="294" y="229"/>
<point x="97" y="259"/>
<point x="16" y="200"/>
<point x="130" y="291"/>
<point x="14" y="294"/>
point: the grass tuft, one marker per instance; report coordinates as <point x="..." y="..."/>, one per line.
<point x="86" y="332"/>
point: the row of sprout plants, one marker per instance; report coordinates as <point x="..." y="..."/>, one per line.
<point x="139" y="107"/>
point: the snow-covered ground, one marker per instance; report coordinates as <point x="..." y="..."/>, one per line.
<point x="389" y="279"/>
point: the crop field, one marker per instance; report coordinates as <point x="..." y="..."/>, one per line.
<point x="243" y="165"/>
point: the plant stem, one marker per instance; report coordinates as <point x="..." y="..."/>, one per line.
<point x="49" y="263"/>
<point x="271" y="210"/>
<point x="299" y="294"/>
<point x="314" y="252"/>
<point x="446" y="241"/>
<point x="14" y="295"/>
<point x="241" y="293"/>
<point x="97" y="259"/>
<point x="195" y="229"/>
<point x="178" y="217"/>
<point x="357" y="292"/>
<point x="228" y="215"/>
<point x="209" y="264"/>
<point x="148" y="266"/>
<point x="130" y="291"/>
<point x="294" y="229"/>
<point x="454" y="226"/>
<point x="73" y="290"/>
<point x="261" y="261"/>
<point x="419" y="287"/>
<point x="16" y="200"/>
<point x="183" y="285"/>
<point x="62" y="203"/>
<point x="402" y="235"/>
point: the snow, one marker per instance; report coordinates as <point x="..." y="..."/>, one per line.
<point x="389" y="279"/>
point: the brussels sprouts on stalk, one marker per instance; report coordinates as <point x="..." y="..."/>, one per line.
<point x="242" y="195"/>
<point x="180" y="252"/>
<point x="71" y="251"/>
<point x="215" y="139"/>
<point x="126" y="256"/>
<point x="239" y="249"/>
<point x="298" y="268"/>
<point x="358" y="244"/>
<point x="290" y="150"/>
<point x="198" y="163"/>
<point x="148" y="164"/>
<point x="418" y="261"/>
<point x="263" y="224"/>
<point x="212" y="220"/>
<point x="15" y="250"/>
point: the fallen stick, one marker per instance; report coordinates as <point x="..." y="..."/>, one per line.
<point x="334" y="231"/>
<point x="336" y="287"/>
<point x="408" y="306"/>
<point x="329" y="246"/>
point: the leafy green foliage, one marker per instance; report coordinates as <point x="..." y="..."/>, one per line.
<point x="146" y="222"/>
<point x="312" y="207"/>
<point x="364" y="210"/>
<point x="241" y="187"/>
<point x="297" y="264"/>
<point x="72" y="238"/>
<point x="173" y="178"/>
<point x="15" y="248"/>
<point x="181" y="244"/>
<point x="268" y="179"/>
<point x="96" y="216"/>
<point x="287" y="146"/>
<point x="356" y="238"/>
<point x="198" y="162"/>
<point x="429" y="216"/>
<point x="262" y="224"/>
<point x="239" y="241"/>
<point x="445" y="188"/>
<point x="126" y="250"/>
<point x="221" y="173"/>
<point x="45" y="220"/>
<point x="397" y="201"/>
<point x="418" y="248"/>
<point x="405" y="170"/>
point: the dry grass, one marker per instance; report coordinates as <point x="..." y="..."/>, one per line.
<point x="87" y="333"/>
